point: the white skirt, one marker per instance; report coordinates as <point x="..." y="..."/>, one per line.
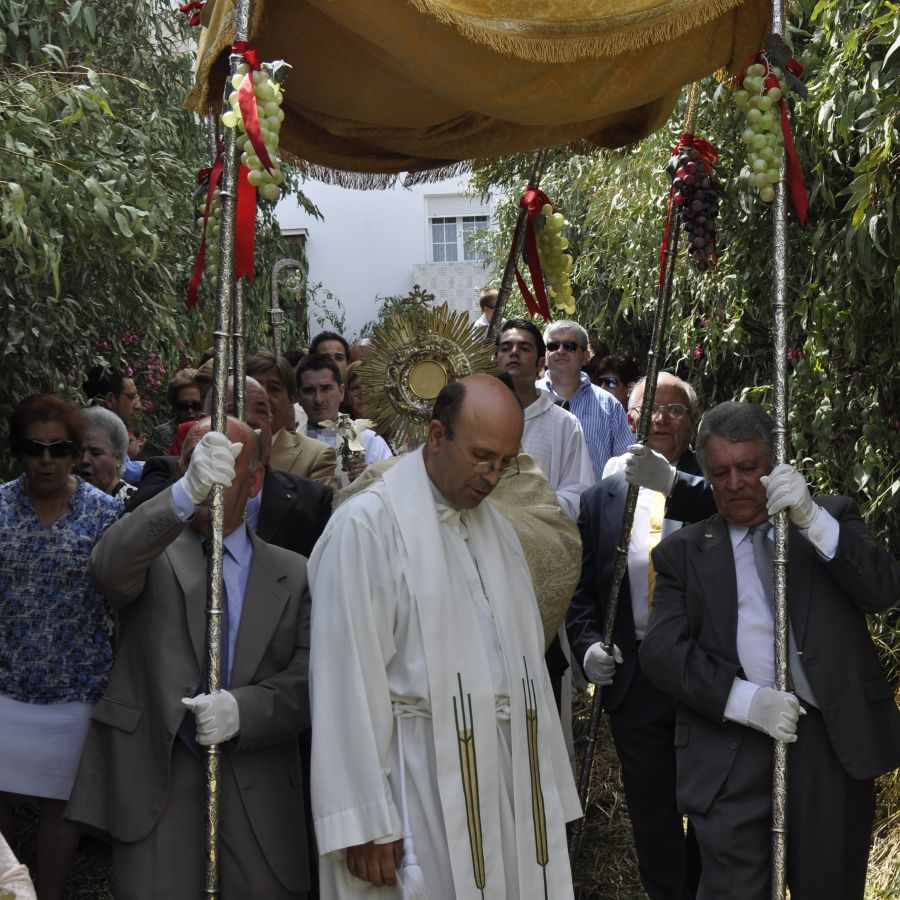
<point x="40" y="746"/>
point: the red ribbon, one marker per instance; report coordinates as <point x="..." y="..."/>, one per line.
<point x="797" y="189"/>
<point x="214" y="173"/>
<point x="247" y="102"/>
<point x="533" y="200"/>
<point x="190" y="7"/>
<point x="245" y="227"/>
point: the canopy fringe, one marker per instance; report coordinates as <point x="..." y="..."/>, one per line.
<point x="565" y="42"/>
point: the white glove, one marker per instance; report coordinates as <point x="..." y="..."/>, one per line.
<point x="775" y="713"/>
<point x="786" y="489"/>
<point x="600" y="666"/>
<point x="212" y="462"/>
<point x="216" y="716"/>
<point x="649" y="469"/>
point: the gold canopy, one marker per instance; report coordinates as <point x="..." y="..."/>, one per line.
<point x="388" y="86"/>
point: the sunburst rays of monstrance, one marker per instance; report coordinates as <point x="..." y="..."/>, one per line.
<point x="417" y="353"/>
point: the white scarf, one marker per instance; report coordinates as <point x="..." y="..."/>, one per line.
<point x="462" y="698"/>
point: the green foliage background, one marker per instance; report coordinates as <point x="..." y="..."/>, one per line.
<point x="844" y="285"/>
<point x="98" y="162"/>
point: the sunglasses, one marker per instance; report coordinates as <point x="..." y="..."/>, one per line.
<point x="193" y="406"/>
<point x="568" y="346"/>
<point x="612" y="383"/>
<point x="57" y="450"/>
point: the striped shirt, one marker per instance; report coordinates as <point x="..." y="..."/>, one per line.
<point x="602" y="420"/>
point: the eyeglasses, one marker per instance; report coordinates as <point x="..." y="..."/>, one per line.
<point x="57" y="450"/>
<point x="483" y="467"/>
<point x="612" y="383"/>
<point x="568" y="346"/>
<point x="672" y="410"/>
<point x="192" y="406"/>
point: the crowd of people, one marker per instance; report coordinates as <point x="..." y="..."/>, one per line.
<point x="394" y="712"/>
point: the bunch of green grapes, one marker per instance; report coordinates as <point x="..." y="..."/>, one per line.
<point x="269" y="97"/>
<point x="555" y="264"/>
<point x="759" y="99"/>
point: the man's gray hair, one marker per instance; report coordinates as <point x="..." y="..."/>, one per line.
<point x="106" y="422"/>
<point x="735" y="422"/>
<point x="567" y="325"/>
<point x="666" y="378"/>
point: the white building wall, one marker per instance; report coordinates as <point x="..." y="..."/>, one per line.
<point x="377" y="244"/>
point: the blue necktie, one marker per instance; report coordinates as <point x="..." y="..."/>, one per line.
<point x="762" y="555"/>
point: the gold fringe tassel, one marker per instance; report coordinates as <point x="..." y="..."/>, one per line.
<point x="549" y="42"/>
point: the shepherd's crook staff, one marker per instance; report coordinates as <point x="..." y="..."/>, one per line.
<point x="534" y="179"/>
<point x="225" y="298"/>
<point x="654" y="357"/>
<point x="779" y="349"/>
<point x="276" y="313"/>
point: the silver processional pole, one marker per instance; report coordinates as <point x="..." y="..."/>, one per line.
<point x="779" y="350"/>
<point x="654" y="360"/>
<point x="226" y="298"/>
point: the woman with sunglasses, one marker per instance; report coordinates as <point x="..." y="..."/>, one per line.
<point x="186" y="402"/>
<point x="615" y="373"/>
<point x="55" y="654"/>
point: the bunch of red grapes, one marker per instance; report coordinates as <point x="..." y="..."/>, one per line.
<point x="697" y="192"/>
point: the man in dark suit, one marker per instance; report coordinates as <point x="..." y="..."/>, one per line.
<point x="641" y="717"/>
<point x="141" y="777"/>
<point x="710" y="644"/>
<point x="291" y="511"/>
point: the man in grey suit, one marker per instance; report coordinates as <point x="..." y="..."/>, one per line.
<point x="710" y="644"/>
<point x="141" y="777"/>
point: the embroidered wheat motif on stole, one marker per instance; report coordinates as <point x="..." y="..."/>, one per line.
<point x="468" y="765"/>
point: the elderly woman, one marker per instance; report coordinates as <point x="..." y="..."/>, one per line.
<point x="55" y="656"/>
<point x="104" y="449"/>
<point x="186" y="402"/>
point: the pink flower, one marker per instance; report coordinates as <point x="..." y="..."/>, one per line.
<point x="703" y="320"/>
<point x="794" y="353"/>
<point x="698" y="352"/>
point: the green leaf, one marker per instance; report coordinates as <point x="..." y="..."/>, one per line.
<point x="90" y="20"/>
<point x="124" y="225"/>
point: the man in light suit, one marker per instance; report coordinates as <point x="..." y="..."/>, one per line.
<point x="641" y="717"/>
<point x="710" y="644"/>
<point x="297" y="454"/>
<point x="141" y="777"/>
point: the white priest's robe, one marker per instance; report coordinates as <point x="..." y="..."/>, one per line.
<point x="425" y="627"/>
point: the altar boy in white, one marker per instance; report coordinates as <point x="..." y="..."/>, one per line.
<point x="433" y="717"/>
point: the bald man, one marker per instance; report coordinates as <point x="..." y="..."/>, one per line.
<point x="141" y="777"/>
<point x="462" y="755"/>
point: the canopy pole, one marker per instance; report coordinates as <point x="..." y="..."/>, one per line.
<point x="276" y="313"/>
<point x="654" y="358"/>
<point x="534" y="179"/>
<point x="238" y="349"/>
<point x="226" y="299"/>
<point x="779" y="351"/>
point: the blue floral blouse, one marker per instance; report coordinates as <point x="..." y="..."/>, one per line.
<point x="53" y="641"/>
